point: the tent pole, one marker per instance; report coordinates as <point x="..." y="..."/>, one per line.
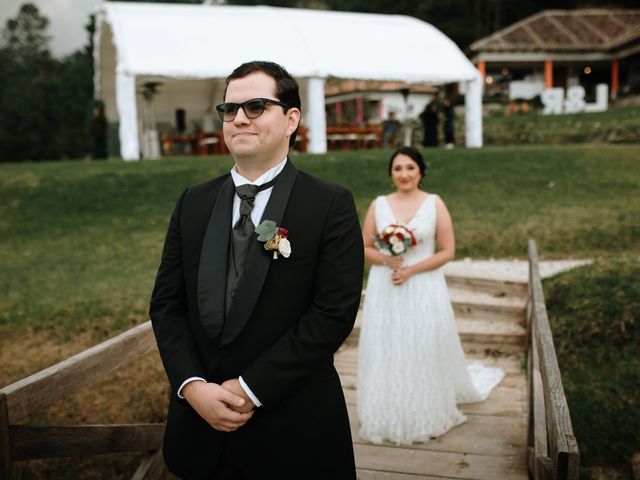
<point x="473" y="112"/>
<point x="316" y="119"/>
<point x="128" y="115"/>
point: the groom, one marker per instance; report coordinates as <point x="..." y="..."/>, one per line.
<point x="247" y="334"/>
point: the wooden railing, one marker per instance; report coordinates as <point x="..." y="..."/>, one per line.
<point x="552" y="450"/>
<point x="22" y="399"/>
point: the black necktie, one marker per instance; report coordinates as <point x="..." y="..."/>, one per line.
<point x="243" y="230"/>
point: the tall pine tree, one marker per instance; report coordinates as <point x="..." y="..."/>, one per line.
<point x="43" y="101"/>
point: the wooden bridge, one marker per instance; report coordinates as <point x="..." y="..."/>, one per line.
<point x="522" y="430"/>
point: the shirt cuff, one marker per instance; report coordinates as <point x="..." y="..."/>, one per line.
<point x="189" y="380"/>
<point x="248" y="391"/>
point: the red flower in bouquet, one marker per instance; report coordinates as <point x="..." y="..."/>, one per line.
<point x="394" y="240"/>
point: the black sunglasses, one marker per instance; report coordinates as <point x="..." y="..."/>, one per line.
<point x="252" y="108"/>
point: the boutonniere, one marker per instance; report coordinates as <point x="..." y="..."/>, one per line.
<point x="274" y="238"/>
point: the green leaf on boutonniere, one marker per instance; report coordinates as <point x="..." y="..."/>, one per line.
<point x="266" y="230"/>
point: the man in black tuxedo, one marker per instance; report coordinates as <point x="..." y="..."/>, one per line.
<point x="247" y="334"/>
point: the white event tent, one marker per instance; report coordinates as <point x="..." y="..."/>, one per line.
<point x="189" y="49"/>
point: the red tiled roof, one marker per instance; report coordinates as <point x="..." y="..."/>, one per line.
<point x="566" y="30"/>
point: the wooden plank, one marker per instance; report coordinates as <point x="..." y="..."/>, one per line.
<point x="5" y="458"/>
<point x="31" y="442"/>
<point x="530" y="431"/>
<point x="47" y="386"/>
<point x="481" y="435"/>
<point x="349" y="380"/>
<point x="488" y="285"/>
<point x="540" y="468"/>
<point x="375" y="475"/>
<point x="563" y="448"/>
<point x="573" y="462"/>
<point x="347" y="360"/>
<point x="152" y="467"/>
<point x="504" y="401"/>
<point x="443" y="464"/>
<point x="544" y="467"/>
<point x="540" y="447"/>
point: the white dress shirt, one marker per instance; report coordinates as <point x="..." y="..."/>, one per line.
<point x="259" y="205"/>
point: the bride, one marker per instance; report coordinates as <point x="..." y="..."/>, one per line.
<point x="411" y="366"/>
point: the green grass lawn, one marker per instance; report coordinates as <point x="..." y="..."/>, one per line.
<point x="81" y="241"/>
<point x="595" y="317"/>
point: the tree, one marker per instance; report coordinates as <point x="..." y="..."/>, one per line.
<point x="25" y="90"/>
<point x="43" y="101"/>
<point x="26" y="35"/>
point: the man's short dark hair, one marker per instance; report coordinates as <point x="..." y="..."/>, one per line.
<point x="287" y="90"/>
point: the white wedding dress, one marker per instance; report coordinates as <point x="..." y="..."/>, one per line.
<point x="411" y="366"/>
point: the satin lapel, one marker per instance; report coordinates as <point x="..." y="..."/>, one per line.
<point x="258" y="260"/>
<point x="212" y="272"/>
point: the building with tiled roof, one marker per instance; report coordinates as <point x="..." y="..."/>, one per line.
<point x="561" y="48"/>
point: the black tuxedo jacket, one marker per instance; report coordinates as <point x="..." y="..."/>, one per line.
<point x="288" y="317"/>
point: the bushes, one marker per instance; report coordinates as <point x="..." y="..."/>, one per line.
<point x="616" y="125"/>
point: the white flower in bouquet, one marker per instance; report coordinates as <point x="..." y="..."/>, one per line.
<point x="398" y="248"/>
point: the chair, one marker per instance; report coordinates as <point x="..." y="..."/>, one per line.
<point x="208" y="143"/>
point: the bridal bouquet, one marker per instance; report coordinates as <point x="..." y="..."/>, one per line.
<point x="394" y="240"/>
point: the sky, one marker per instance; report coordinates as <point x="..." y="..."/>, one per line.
<point x="67" y="19"/>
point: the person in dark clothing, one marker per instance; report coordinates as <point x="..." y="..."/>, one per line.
<point x="429" y="118"/>
<point x="447" y="126"/>
<point x="390" y="129"/>
<point x="258" y="286"/>
<point x="98" y="131"/>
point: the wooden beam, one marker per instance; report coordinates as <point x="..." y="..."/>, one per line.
<point x="31" y="442"/>
<point x="524" y="58"/>
<point x="592" y="28"/>
<point x="5" y="458"/>
<point x="544" y="468"/>
<point x="560" y="26"/>
<point x="628" y="52"/>
<point x="548" y="73"/>
<point x="537" y="39"/>
<point x="152" y="467"/>
<point x="540" y="447"/>
<point x="482" y="67"/>
<point x="615" y="79"/>
<point x="47" y="386"/>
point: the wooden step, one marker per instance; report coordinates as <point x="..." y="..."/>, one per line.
<point x="491" y="332"/>
<point x="385" y="459"/>
<point x="482" y="305"/>
<point x="478" y="335"/>
<point x="346" y="360"/>
<point x="490" y="305"/>
<point x="495" y="287"/>
<point x="476" y="318"/>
